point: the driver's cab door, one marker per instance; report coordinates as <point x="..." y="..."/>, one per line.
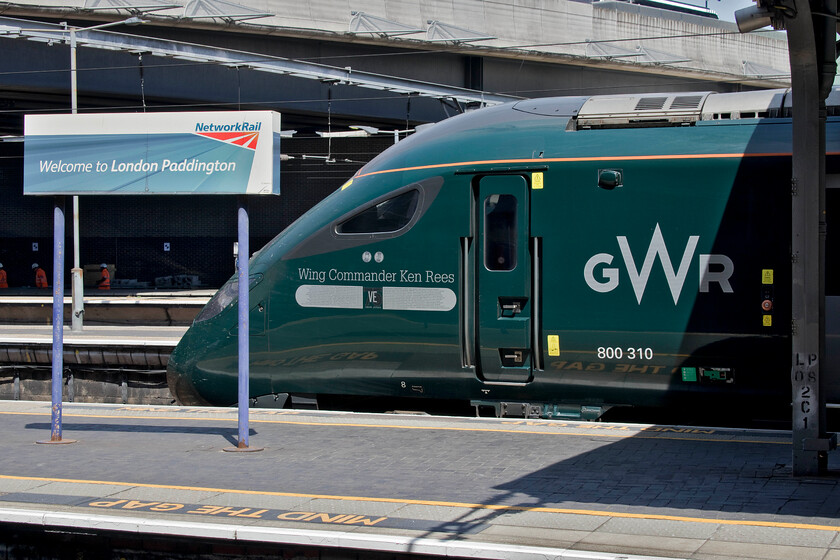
<point x="503" y="279"/>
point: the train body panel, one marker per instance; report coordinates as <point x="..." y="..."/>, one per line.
<point x="511" y="255"/>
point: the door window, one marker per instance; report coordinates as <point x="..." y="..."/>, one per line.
<point x="500" y="234"/>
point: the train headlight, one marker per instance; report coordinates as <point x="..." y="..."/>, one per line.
<point x="225" y="296"/>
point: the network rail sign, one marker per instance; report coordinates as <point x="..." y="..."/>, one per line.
<point x="152" y="153"/>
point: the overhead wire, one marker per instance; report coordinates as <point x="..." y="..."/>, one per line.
<point x="560" y="90"/>
<point x="417" y="50"/>
<point x="557" y="90"/>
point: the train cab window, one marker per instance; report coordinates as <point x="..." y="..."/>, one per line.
<point x="387" y="216"/>
<point x="500" y="232"/>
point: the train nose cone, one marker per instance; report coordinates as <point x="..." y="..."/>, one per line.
<point x="183" y="389"/>
<point x="179" y="378"/>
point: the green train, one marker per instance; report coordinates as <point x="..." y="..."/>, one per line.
<point x="551" y="257"/>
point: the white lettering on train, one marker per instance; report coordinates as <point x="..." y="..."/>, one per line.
<point x="609" y="276"/>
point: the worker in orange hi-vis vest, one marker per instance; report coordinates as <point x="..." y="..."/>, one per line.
<point x="104" y="281"/>
<point x="3" y="282"/>
<point x="40" y="277"/>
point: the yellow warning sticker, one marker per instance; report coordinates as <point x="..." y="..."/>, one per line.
<point x="767" y="276"/>
<point x="537" y="180"/>
<point x="767" y="320"/>
<point x="553" y="345"/>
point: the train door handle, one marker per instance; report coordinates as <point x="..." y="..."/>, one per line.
<point x="516" y="356"/>
<point x="511" y="306"/>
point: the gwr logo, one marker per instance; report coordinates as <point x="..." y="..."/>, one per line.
<point x="609" y="277"/>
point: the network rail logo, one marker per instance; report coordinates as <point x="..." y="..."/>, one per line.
<point x="245" y="134"/>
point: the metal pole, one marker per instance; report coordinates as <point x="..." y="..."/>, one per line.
<point x="244" y="328"/>
<point x="57" y="318"/>
<point x="810" y="442"/>
<point x="57" y="324"/>
<point x="73" y="85"/>
<point x="77" y="285"/>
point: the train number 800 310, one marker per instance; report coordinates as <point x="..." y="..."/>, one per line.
<point x="616" y="353"/>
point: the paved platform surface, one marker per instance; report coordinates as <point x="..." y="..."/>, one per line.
<point x="94" y="335"/>
<point x="482" y="488"/>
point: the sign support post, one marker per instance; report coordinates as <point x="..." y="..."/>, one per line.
<point x="77" y="285"/>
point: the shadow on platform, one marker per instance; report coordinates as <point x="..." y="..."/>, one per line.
<point x="229" y="434"/>
<point x="668" y="477"/>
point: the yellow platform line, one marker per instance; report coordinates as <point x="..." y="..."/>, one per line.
<point x="591" y="432"/>
<point x="466" y="505"/>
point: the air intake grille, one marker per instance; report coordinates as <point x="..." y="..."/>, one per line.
<point x="651" y="103"/>
<point x="687" y="102"/>
<point x="640" y="110"/>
